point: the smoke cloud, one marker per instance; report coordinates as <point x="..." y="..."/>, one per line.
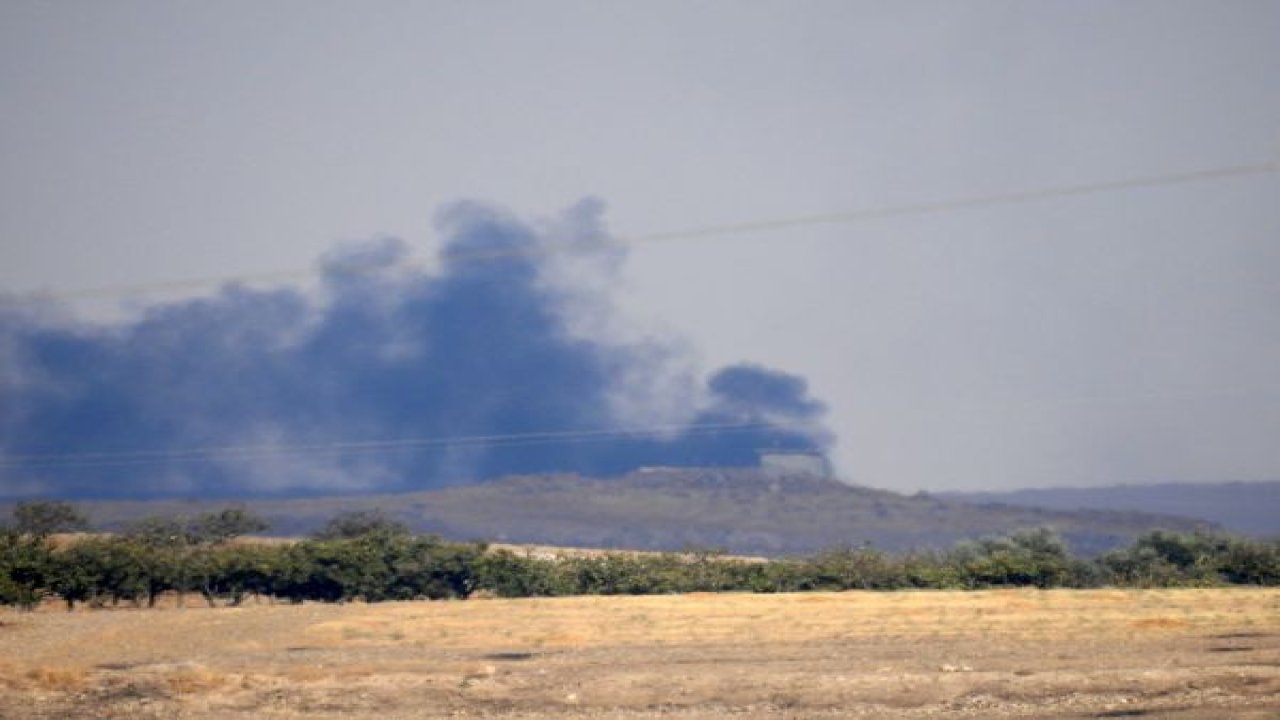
<point x="507" y="358"/>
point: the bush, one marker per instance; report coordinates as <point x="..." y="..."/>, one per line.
<point x="364" y="557"/>
<point x="26" y="569"/>
<point x="507" y="574"/>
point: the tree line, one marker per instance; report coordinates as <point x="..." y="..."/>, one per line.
<point x="366" y="556"/>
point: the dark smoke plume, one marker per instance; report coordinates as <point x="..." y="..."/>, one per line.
<point x="388" y="378"/>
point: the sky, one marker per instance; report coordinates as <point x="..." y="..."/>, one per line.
<point x="1126" y="336"/>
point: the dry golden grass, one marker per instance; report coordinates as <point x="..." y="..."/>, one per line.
<point x="708" y="618"/>
<point x="1024" y="653"/>
<point x="195" y="679"/>
<point x="48" y="678"/>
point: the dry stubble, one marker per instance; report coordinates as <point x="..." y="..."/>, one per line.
<point x="1018" y="653"/>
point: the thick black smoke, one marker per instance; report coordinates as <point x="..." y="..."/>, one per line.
<point x="390" y="378"/>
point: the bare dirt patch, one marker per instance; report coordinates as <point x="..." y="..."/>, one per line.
<point x="1182" y="654"/>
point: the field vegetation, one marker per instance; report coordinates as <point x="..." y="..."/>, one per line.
<point x="742" y="510"/>
<point x="1181" y="654"/>
<point x="332" y="626"/>
<point x="368" y="557"/>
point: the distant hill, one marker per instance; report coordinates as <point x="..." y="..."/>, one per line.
<point x="1249" y="508"/>
<point x="743" y="511"/>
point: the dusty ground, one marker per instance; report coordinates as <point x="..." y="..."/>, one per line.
<point x="1024" y="654"/>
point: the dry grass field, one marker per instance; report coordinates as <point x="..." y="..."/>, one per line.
<point x="1000" y="654"/>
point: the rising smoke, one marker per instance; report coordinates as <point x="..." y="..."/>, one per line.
<point x="506" y="359"/>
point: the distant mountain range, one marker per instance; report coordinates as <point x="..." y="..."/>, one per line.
<point x="1249" y="508"/>
<point x="743" y="511"/>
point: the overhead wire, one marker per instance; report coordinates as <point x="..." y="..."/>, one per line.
<point x="224" y="453"/>
<point x="705" y="231"/>
<point x="252" y="452"/>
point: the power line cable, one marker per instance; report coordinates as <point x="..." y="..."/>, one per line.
<point x="252" y="452"/>
<point x="57" y="461"/>
<point x="707" y="231"/>
<point x="79" y="460"/>
<point x="976" y="201"/>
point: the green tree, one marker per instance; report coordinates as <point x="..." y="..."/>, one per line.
<point x="42" y="518"/>
<point x="1251" y="562"/>
<point x="242" y="571"/>
<point x="215" y="528"/>
<point x="79" y="572"/>
<point x="862" y="568"/>
<point x="187" y="554"/>
<point x="1027" y="557"/>
<point x="26" y="568"/>
<point x="131" y="572"/>
<point x="507" y="574"/>
<point x="358" y="523"/>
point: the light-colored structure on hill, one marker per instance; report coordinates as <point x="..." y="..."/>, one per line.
<point x="795" y="463"/>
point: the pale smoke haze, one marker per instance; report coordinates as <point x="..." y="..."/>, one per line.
<point x="1127" y="336"/>
<point x="394" y="378"/>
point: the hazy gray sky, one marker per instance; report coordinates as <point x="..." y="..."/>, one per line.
<point x="1132" y="336"/>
